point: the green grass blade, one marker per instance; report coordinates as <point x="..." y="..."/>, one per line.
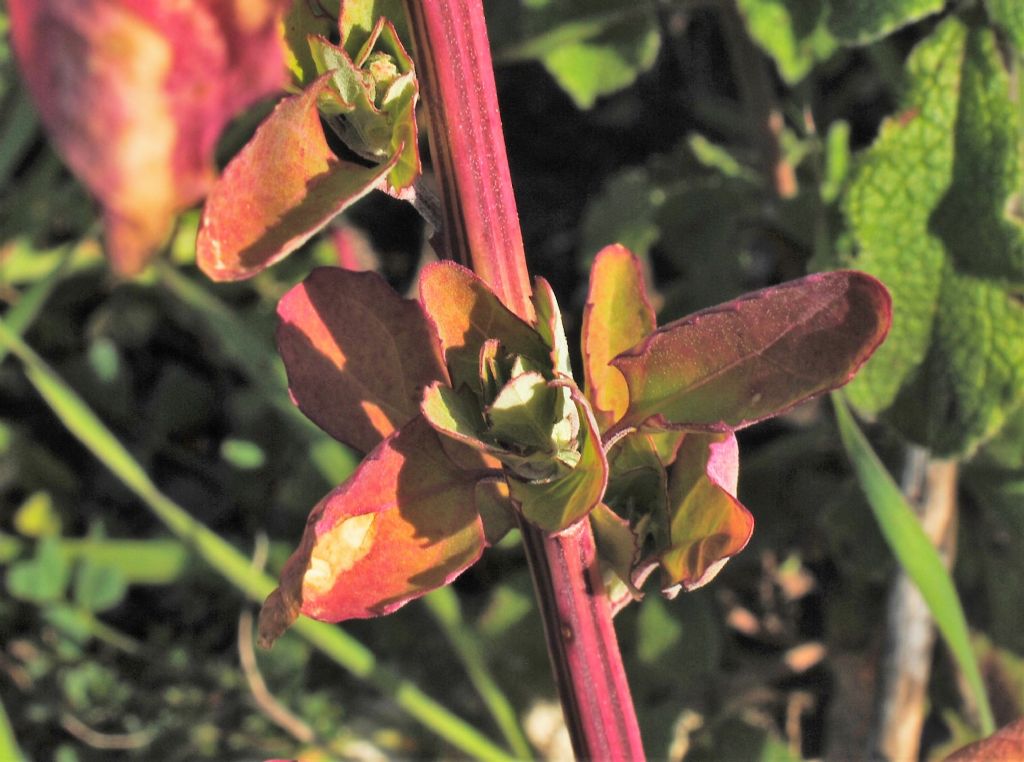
<point x="443" y="605"/>
<point x="30" y="302"/>
<point x="8" y="743"/>
<point x="915" y="553"/>
<point x="348" y="652"/>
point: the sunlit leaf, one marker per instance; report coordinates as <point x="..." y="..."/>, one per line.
<point x="1006" y="745"/>
<point x="135" y="95"/>
<point x="280" y="189"/>
<point x="732" y="365"/>
<point x="403" y="524"/>
<point x="707" y="524"/>
<point x="357" y="354"/>
<point x="549" y="326"/>
<point x="617" y="316"/>
<point x="466" y="313"/>
<point x="359" y="17"/>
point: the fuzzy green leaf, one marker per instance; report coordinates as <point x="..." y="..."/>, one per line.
<point x="863" y="21"/>
<point x="1009" y="14"/>
<point x="933" y="211"/>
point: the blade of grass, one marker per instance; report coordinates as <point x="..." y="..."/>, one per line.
<point x="915" y="553"/>
<point x="8" y="743"/>
<point x="334" y="642"/>
<point x="31" y="300"/>
<point x="443" y="605"/>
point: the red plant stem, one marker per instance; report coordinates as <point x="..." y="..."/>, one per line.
<point x="481" y="229"/>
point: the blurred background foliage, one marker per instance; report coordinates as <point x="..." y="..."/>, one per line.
<point x="718" y="141"/>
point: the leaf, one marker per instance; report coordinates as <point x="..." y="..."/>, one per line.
<point x="558" y="504"/>
<point x="359" y="17"/>
<point x="550" y="328"/>
<point x="523" y="413"/>
<point x="97" y="587"/>
<point x="729" y="366"/>
<point x="792" y="32"/>
<point x="466" y="313"/>
<point x="1006" y="744"/>
<point x="403" y="524"/>
<point x="863" y="21"/>
<point x="914" y="551"/>
<point x="44" y="577"/>
<point x="591" y="47"/>
<point x="1009" y="14"/>
<point x="617" y="316"/>
<point x="357" y="354"/>
<point x="707" y="524"/>
<point x="306" y="18"/>
<point x="953" y="370"/>
<point x="376" y="115"/>
<point x="134" y="96"/>
<point x="280" y="189"/>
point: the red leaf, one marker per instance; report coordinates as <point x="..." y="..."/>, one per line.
<point x="735" y="364"/>
<point x="134" y="94"/>
<point x="280" y="189"/>
<point x="358" y="355"/>
<point x="1005" y="745"/>
<point x="404" y="524"/>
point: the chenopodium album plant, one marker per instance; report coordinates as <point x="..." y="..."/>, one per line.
<point x="470" y="414"/>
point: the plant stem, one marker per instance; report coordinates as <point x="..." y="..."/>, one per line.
<point x="901" y="696"/>
<point x="481" y="229"/>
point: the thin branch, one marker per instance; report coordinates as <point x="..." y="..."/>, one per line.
<point x="930" y="486"/>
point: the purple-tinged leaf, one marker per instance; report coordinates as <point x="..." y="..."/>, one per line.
<point x="357" y="354"/>
<point x="466" y="313"/>
<point x="281" y="188"/>
<point x="707" y="524"/>
<point x="404" y="524"/>
<point x="735" y="364"/>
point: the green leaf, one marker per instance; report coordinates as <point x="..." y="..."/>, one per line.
<point x="559" y="503"/>
<point x="524" y="411"/>
<point x="1009" y="14"/>
<point x="931" y="211"/>
<point x="359" y="18"/>
<point x="732" y="365"/>
<point x="137" y="562"/>
<point x="915" y="553"/>
<point x="550" y="328"/>
<point x="591" y="47"/>
<point x="863" y="21"/>
<point x="792" y="32"/>
<point x="302" y="20"/>
<point x="44" y="577"/>
<point x="98" y="587"/>
<point x="606" y="63"/>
